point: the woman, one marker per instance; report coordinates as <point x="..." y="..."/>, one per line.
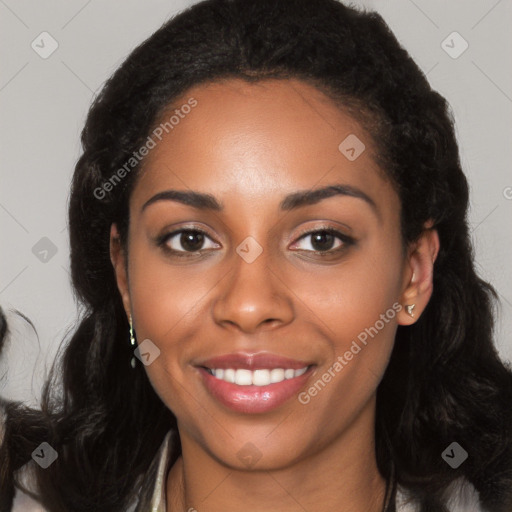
<point x="281" y="312"/>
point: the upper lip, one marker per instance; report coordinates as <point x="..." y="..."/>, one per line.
<point x="248" y="361"/>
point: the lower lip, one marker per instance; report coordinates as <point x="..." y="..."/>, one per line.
<point x="253" y="399"/>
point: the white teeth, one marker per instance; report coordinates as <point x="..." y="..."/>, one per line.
<point x="263" y="377"/>
<point x="288" y="374"/>
<point x="300" y="372"/>
<point x="276" y="375"/>
<point x="243" y="377"/>
<point x="229" y="375"/>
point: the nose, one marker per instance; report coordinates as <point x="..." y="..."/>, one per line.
<point x="254" y="297"/>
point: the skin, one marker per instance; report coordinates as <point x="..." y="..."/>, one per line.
<point x="249" y="145"/>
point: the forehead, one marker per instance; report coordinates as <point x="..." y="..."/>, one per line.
<point x="254" y="141"/>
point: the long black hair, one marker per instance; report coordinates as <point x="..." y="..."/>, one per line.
<point x="445" y="381"/>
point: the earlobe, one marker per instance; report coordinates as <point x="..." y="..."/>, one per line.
<point x="419" y="276"/>
<point x="118" y="262"/>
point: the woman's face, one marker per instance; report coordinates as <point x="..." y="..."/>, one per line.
<point x="253" y="289"/>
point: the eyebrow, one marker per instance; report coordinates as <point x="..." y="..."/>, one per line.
<point x="292" y="201"/>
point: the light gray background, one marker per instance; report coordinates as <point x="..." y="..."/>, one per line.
<point x="43" y="103"/>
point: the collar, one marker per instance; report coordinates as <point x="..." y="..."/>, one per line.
<point x="159" y="498"/>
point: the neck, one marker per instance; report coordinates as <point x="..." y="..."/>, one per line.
<point x="341" y="477"/>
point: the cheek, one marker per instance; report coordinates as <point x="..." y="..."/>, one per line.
<point x="164" y="296"/>
<point x="349" y="298"/>
<point x="363" y="329"/>
<point x="167" y="301"/>
<point x="357" y="306"/>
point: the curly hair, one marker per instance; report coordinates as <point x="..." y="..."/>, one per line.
<point x="445" y="380"/>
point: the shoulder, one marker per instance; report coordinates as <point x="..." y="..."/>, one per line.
<point x="461" y="496"/>
<point x="24" y="503"/>
<point x="24" y="497"/>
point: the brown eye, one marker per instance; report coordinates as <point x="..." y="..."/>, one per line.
<point x="191" y="240"/>
<point x="324" y="241"/>
<point x="186" y="240"/>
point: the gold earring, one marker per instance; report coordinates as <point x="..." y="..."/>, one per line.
<point x="409" y="309"/>
<point x="132" y="341"/>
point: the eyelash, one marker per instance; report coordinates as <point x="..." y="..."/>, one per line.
<point x="346" y="240"/>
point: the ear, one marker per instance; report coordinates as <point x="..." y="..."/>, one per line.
<point x="419" y="274"/>
<point x="117" y="257"/>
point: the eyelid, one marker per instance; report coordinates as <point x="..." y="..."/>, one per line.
<point x="323" y="227"/>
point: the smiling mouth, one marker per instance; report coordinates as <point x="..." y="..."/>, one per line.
<point x="260" y="377"/>
<point x="254" y="384"/>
